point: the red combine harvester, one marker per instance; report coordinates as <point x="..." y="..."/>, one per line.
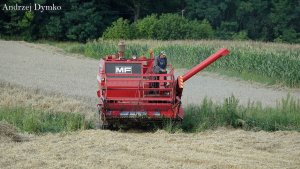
<point x="131" y="94"/>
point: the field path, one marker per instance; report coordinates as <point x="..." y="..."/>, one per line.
<point x="46" y="68"/>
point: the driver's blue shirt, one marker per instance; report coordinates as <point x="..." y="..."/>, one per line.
<point x="162" y="62"/>
<point x="159" y="64"/>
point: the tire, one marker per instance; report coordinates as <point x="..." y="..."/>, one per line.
<point x="101" y="123"/>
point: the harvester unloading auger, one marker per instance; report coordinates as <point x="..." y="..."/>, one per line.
<point x="127" y="95"/>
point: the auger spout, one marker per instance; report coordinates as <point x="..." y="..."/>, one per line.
<point x="205" y="63"/>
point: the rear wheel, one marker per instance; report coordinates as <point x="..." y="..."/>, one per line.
<point x="101" y="122"/>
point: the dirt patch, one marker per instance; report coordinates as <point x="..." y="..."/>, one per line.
<point x="222" y="148"/>
<point x="9" y="133"/>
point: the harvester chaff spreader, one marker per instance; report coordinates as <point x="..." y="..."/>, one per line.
<point x="131" y="93"/>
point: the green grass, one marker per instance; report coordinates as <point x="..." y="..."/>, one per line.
<point x="268" y="63"/>
<point x="37" y="121"/>
<point x="208" y="115"/>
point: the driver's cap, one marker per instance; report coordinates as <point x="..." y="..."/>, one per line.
<point x="163" y="53"/>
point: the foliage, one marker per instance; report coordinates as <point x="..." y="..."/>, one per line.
<point x="16" y="22"/>
<point x="120" y="29"/>
<point x="37" y="121"/>
<point x="262" y="20"/>
<point x="227" y="30"/>
<point x="170" y="26"/>
<point x="146" y="27"/>
<point x="165" y="27"/>
<point x="83" y="21"/>
<point x="209" y="115"/>
<point x="77" y="21"/>
<point x="276" y="20"/>
<point x="54" y="28"/>
<point x="199" y="30"/>
<point x="289" y="35"/>
<point x="242" y="35"/>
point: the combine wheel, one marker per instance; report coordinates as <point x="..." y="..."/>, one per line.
<point x="101" y="122"/>
<point x="177" y="122"/>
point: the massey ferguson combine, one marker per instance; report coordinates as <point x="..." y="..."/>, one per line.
<point x="130" y="93"/>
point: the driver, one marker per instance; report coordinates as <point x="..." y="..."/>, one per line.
<point x="160" y="63"/>
<point x="159" y="67"/>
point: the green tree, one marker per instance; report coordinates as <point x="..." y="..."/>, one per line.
<point x="243" y="13"/>
<point x="16" y="22"/>
<point x="83" y="21"/>
<point x="241" y="35"/>
<point x="227" y="30"/>
<point x="146" y="27"/>
<point x="279" y="16"/>
<point x="54" y="29"/>
<point x="288" y="35"/>
<point x="199" y="30"/>
<point x="256" y="20"/>
<point x="80" y="20"/>
<point x="171" y="26"/>
<point x="120" y="29"/>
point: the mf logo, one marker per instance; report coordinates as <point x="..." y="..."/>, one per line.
<point x="123" y="69"/>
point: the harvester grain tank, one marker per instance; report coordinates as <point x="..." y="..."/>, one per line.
<point x="131" y="93"/>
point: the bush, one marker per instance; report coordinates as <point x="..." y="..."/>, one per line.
<point x="53" y="29"/>
<point x="166" y="27"/>
<point x="289" y="35"/>
<point x="119" y="29"/>
<point x="199" y="30"/>
<point x="171" y="26"/>
<point x="81" y="32"/>
<point x="242" y="35"/>
<point x="227" y="30"/>
<point x="146" y="27"/>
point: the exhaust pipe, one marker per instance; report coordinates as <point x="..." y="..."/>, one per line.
<point x="121" y="46"/>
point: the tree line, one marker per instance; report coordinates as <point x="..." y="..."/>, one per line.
<point x="79" y="20"/>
